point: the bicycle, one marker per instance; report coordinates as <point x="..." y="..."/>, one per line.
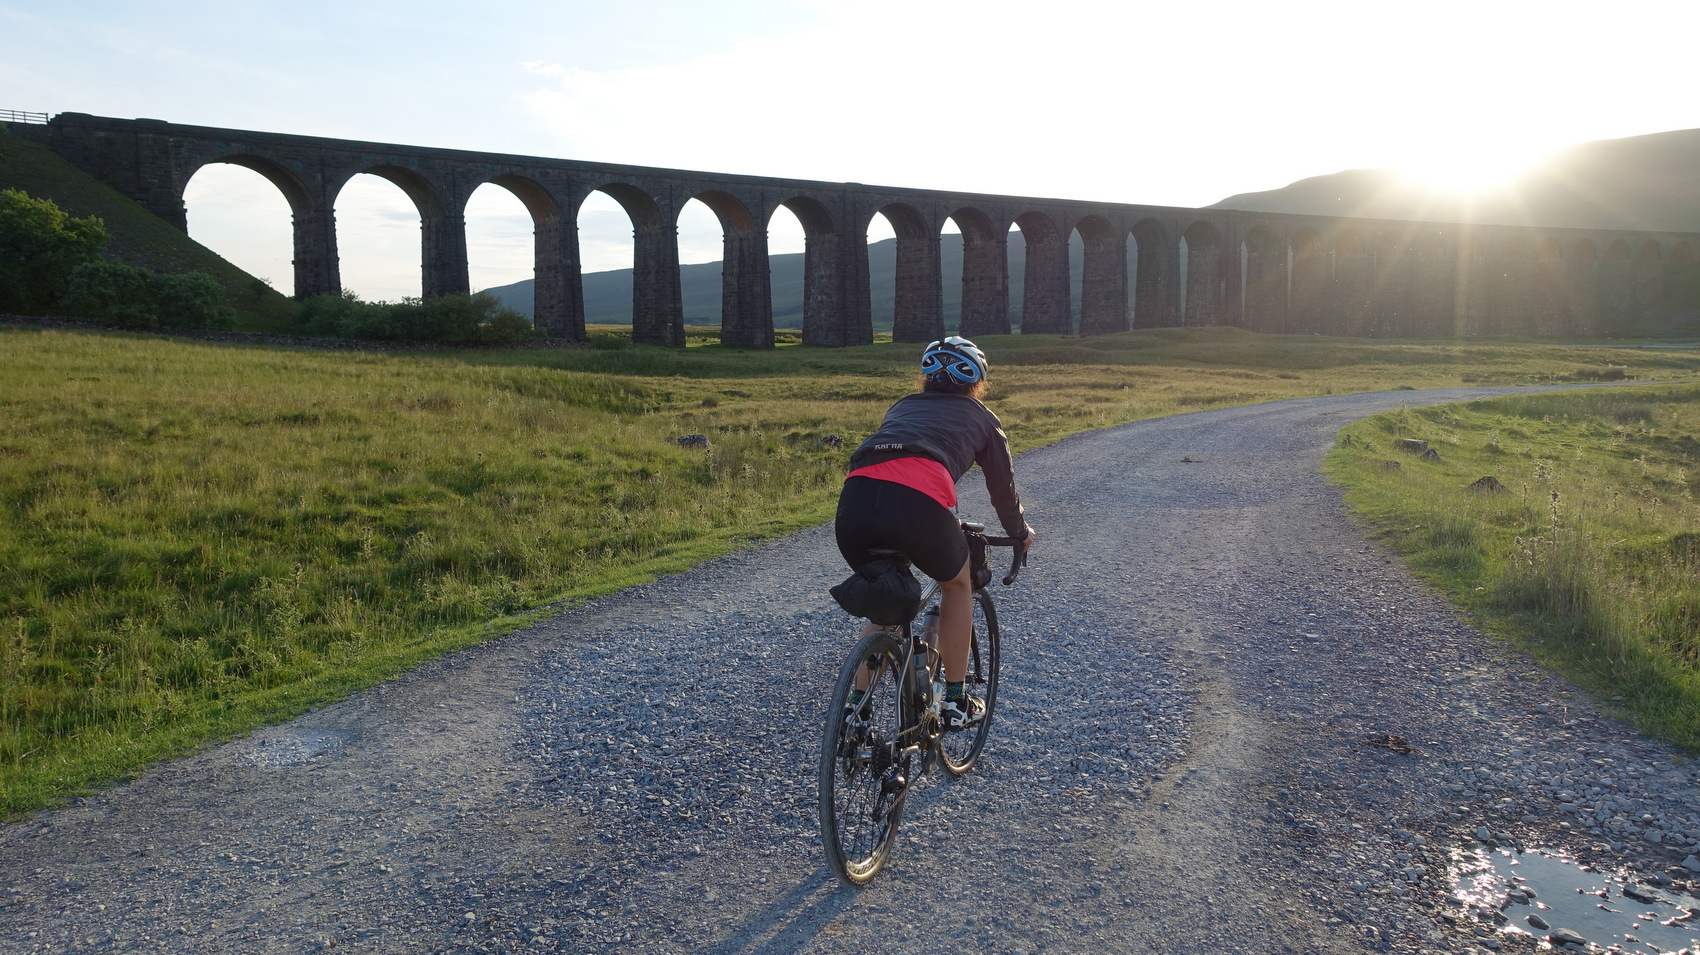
<point x="869" y="748"/>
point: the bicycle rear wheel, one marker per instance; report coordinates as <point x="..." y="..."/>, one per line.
<point x="959" y="749"/>
<point x="862" y="778"/>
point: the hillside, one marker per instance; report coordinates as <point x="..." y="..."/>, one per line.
<point x="1640" y="182"/>
<point x="608" y="295"/>
<point x="139" y="237"/>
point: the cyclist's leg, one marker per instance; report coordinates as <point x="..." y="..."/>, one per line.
<point x="956" y="623"/>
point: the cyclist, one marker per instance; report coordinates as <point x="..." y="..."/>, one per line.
<point x="902" y="485"/>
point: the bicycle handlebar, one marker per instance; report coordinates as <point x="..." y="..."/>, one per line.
<point x="1017" y="560"/>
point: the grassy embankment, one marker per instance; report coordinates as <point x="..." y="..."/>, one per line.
<point x="1589" y="560"/>
<point x="139" y="238"/>
<point x="198" y="539"/>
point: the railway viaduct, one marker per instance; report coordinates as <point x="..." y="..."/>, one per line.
<point x="1264" y="272"/>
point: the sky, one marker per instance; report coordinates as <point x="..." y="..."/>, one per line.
<point x="1169" y="104"/>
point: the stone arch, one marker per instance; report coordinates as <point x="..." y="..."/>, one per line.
<point x="985" y="274"/>
<point x="1554" y="301"/>
<point x="442" y="231"/>
<point x="1433" y="285"/>
<point x="1044" y="300"/>
<point x="918" y="305"/>
<point x="1681" y="286"/>
<point x="746" y="285"/>
<point x="427" y="198"/>
<point x="815" y="217"/>
<point x="314" y="267"/>
<point x="1580" y="289"/>
<point x="1349" y="284"/>
<point x="1308" y="298"/>
<point x="1103" y="277"/>
<point x="1509" y="289"/>
<point x="1616" y="288"/>
<point x="287" y="182"/>
<point x="1390" y="285"/>
<point x="639" y="206"/>
<point x="1154" y="292"/>
<point x="1265" y="292"/>
<point x="658" y="312"/>
<point x="554" y="306"/>
<point x="1651" y="284"/>
<point x="835" y="304"/>
<point x="1201" y="303"/>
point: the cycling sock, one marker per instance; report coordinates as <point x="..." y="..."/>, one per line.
<point x="856" y="696"/>
<point x="956" y="692"/>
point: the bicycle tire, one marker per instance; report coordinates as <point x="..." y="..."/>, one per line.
<point x="958" y="750"/>
<point x="861" y="791"/>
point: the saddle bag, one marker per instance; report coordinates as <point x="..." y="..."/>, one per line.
<point x="883" y="591"/>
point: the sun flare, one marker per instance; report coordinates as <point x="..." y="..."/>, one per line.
<point x="1467" y="170"/>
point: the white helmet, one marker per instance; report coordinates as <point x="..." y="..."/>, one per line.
<point x="955" y="358"/>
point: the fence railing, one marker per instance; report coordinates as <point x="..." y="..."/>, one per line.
<point x="22" y="116"/>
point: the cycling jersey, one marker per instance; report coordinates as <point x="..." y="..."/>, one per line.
<point x="958" y="432"/>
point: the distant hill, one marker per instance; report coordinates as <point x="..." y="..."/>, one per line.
<point x="608" y="295"/>
<point x="139" y="237"/>
<point x="1641" y="182"/>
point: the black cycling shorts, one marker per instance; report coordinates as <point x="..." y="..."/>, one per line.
<point x="874" y="513"/>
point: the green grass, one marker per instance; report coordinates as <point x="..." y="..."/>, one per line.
<point x="139" y="238"/>
<point x="1589" y="560"/>
<point x="198" y="539"/>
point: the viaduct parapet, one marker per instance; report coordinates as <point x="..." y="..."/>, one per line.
<point x="1195" y="267"/>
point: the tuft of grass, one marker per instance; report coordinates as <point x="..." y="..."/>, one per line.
<point x="1588" y="560"/>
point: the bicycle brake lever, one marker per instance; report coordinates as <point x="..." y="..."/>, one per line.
<point x="1017" y="561"/>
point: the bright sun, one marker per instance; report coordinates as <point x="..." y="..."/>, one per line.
<point x="1467" y="169"/>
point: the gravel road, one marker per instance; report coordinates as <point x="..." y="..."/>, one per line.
<point x="1195" y="665"/>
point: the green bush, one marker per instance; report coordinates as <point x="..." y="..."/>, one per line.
<point x="136" y="298"/>
<point x="454" y="319"/>
<point x="40" y="246"/>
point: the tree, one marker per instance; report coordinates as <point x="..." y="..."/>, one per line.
<point x="39" y="248"/>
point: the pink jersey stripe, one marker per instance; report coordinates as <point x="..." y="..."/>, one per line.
<point x="923" y="474"/>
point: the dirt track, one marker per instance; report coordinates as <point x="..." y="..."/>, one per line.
<point x="1194" y="663"/>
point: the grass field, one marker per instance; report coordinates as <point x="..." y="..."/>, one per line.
<point x="1589" y="559"/>
<point x="202" y="538"/>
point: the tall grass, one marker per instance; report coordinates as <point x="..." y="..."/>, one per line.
<point x="1589" y="559"/>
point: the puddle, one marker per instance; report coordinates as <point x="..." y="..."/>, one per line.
<point x="286" y="747"/>
<point x="1503" y="889"/>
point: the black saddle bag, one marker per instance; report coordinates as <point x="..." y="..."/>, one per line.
<point x="884" y="591"/>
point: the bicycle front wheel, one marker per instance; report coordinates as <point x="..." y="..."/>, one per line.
<point x="959" y="749"/>
<point x="863" y="776"/>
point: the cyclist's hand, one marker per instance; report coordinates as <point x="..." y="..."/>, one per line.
<point x="1027" y="544"/>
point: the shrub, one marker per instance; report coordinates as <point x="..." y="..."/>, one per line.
<point x="454" y="319"/>
<point x="192" y="300"/>
<point x="40" y="246"/>
<point x="118" y="293"/>
<point x="136" y="298"/>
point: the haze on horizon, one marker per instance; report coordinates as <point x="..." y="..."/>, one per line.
<point x="1092" y="100"/>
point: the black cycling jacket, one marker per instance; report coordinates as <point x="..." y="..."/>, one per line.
<point x="957" y="431"/>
